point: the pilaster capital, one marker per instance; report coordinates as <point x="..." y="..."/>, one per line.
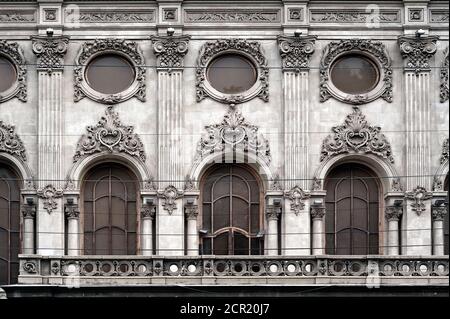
<point x="393" y="213"/>
<point x="191" y="211"/>
<point x="296" y="52"/>
<point x="50" y="51"/>
<point x="273" y="212"/>
<point x="439" y="212"/>
<point x="170" y="50"/>
<point x="148" y="211"/>
<point x="29" y="209"/>
<point x="418" y="50"/>
<point x="317" y="212"/>
<point x="71" y="211"/>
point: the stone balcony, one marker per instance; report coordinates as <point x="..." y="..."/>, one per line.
<point x="234" y="270"/>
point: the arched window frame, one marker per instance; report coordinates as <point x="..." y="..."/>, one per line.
<point x="14" y="53"/>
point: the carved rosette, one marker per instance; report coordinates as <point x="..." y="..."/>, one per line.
<point x="296" y="52"/>
<point x="444" y="153"/>
<point x="170" y="51"/>
<point x="30" y="267"/>
<point x="393" y="213"/>
<point x="110" y="135"/>
<point x="71" y="211"/>
<point x="418" y="51"/>
<point x="317" y="212"/>
<point x="297" y="196"/>
<point x="273" y="212"/>
<point x="169" y="196"/>
<point x="374" y="49"/>
<point x="148" y="211"/>
<point x="49" y="193"/>
<point x="356" y="135"/>
<point x="13" y="52"/>
<point x="444" y="78"/>
<point x="439" y="212"/>
<point x="29" y="210"/>
<point x="396" y="185"/>
<point x="418" y="195"/>
<point x="236" y="134"/>
<point x="10" y="142"/>
<point x="50" y="52"/>
<point x="251" y="50"/>
<point x="191" y="212"/>
<point x="91" y="49"/>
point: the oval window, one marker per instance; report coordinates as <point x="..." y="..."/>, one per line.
<point x="8" y="74"/>
<point x="231" y="74"/>
<point x="110" y="74"/>
<point x="354" y="74"/>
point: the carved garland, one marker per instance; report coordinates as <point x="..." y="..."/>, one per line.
<point x="236" y="134"/>
<point x="14" y="53"/>
<point x="110" y="135"/>
<point x="10" y="142"/>
<point x="444" y="78"/>
<point x="355" y="135"/>
<point x="169" y="196"/>
<point x="251" y="50"/>
<point x="49" y="193"/>
<point x="378" y="54"/>
<point x="297" y="196"/>
<point x="418" y="195"/>
<point x="91" y="49"/>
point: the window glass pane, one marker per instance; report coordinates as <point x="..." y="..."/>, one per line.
<point x="110" y="74"/>
<point x="8" y="74"/>
<point x="241" y="212"/>
<point x="354" y="74"/>
<point x="221" y="213"/>
<point x="206" y="212"/>
<point x="241" y="244"/>
<point x="221" y="244"/>
<point x="231" y="74"/>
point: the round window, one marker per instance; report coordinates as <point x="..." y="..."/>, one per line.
<point x="8" y="74"/>
<point x="110" y="74"/>
<point x="231" y="74"/>
<point x="354" y="74"/>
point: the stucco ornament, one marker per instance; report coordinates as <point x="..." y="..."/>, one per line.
<point x="296" y="52"/>
<point x="250" y="49"/>
<point x="418" y="195"/>
<point x="10" y="142"/>
<point x="49" y="193"/>
<point x="417" y="51"/>
<point x="169" y="196"/>
<point x="13" y="52"/>
<point x="170" y="50"/>
<point x="91" y="49"/>
<point x="444" y="153"/>
<point x="233" y="133"/>
<point x="297" y="196"/>
<point x="50" y="52"/>
<point x="376" y="51"/>
<point x="444" y="78"/>
<point x="356" y="135"/>
<point x="110" y="135"/>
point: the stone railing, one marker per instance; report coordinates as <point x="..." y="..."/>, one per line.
<point x="248" y="269"/>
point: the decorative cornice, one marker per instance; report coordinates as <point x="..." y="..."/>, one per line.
<point x="110" y="135"/>
<point x="250" y="49"/>
<point x="10" y="142"/>
<point x="444" y="87"/>
<point x="393" y="213"/>
<point x="170" y="51"/>
<point x="191" y="211"/>
<point x="233" y="133"/>
<point x="297" y="195"/>
<point x="396" y="185"/>
<point x="317" y="212"/>
<point x="296" y="52"/>
<point x="418" y="195"/>
<point x="374" y="49"/>
<point x="71" y="211"/>
<point x="169" y="196"/>
<point x="49" y="193"/>
<point x="148" y="211"/>
<point x="232" y="16"/>
<point x="108" y="16"/>
<point x="91" y="49"/>
<point x="417" y="51"/>
<point x="444" y="153"/>
<point x="13" y="52"/>
<point x="50" y="52"/>
<point x="273" y="212"/>
<point x="439" y="212"/>
<point x="356" y="135"/>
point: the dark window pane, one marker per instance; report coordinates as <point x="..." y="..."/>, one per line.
<point x="231" y="74"/>
<point x="354" y="74"/>
<point x="241" y="244"/>
<point x="221" y="213"/>
<point x="110" y="74"/>
<point x="206" y="217"/>
<point x="221" y="244"/>
<point x="8" y="74"/>
<point x="240" y="214"/>
<point x="206" y="246"/>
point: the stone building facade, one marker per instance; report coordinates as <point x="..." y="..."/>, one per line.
<point x="122" y="177"/>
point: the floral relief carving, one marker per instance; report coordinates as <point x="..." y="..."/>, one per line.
<point x="355" y="16"/>
<point x="250" y="49"/>
<point x="13" y="52"/>
<point x="49" y="193"/>
<point x="418" y="51"/>
<point x="374" y="49"/>
<point x="439" y="212"/>
<point x="396" y="185"/>
<point x="247" y="16"/>
<point x="10" y="142"/>
<point x="444" y="154"/>
<point x="393" y="213"/>
<point x="296" y="52"/>
<point x="418" y="195"/>
<point x="110" y="135"/>
<point x="437" y="184"/>
<point x="169" y="196"/>
<point x="109" y="16"/>
<point x="444" y="78"/>
<point x="50" y="52"/>
<point x="189" y="184"/>
<point x="275" y="184"/>
<point x="170" y="50"/>
<point x="236" y="134"/>
<point x="297" y="196"/>
<point x="316" y="184"/>
<point x="356" y="135"/>
<point x="91" y="49"/>
<point x="17" y="16"/>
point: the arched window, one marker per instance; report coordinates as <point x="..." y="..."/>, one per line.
<point x="231" y="218"/>
<point x="110" y="194"/>
<point x="352" y="210"/>
<point x="9" y="225"/>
